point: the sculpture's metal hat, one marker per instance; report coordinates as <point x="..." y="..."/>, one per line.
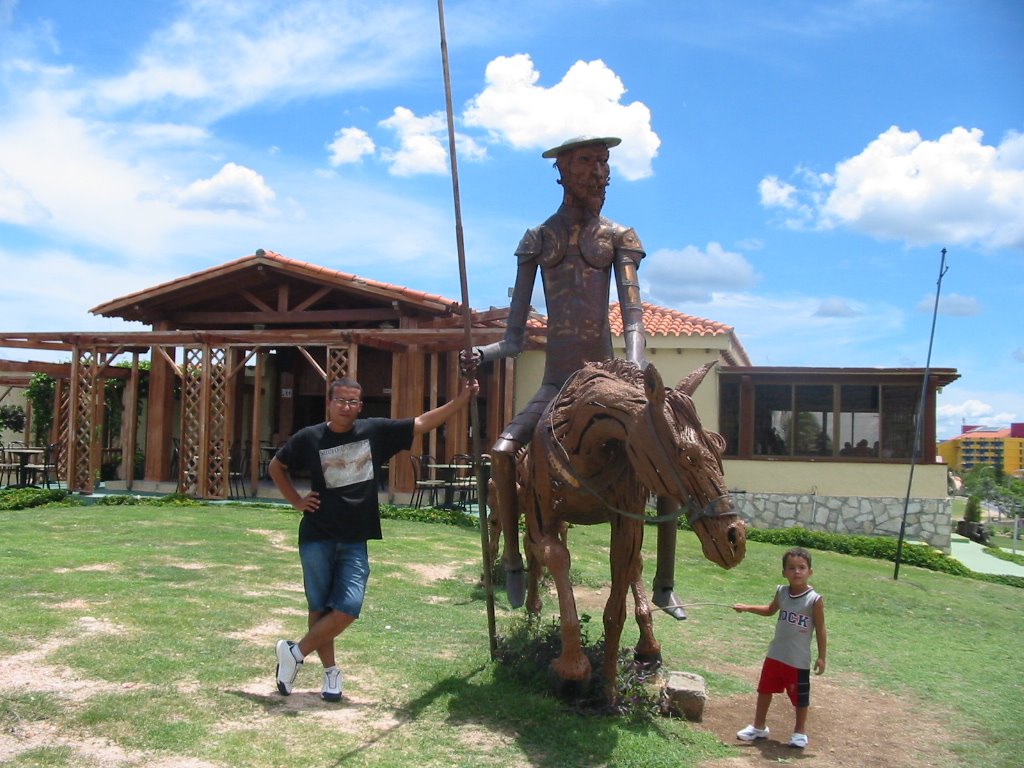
<point x="582" y="141"/>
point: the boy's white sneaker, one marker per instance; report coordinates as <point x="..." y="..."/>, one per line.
<point x="798" y="740"/>
<point x="331" y="690"/>
<point x="750" y="733"/>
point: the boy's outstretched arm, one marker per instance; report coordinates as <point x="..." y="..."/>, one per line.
<point x="761" y="610"/>
<point x="821" y="634"/>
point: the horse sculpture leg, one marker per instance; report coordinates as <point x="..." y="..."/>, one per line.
<point x="648" y="649"/>
<point x="626" y="541"/>
<point x="546" y="542"/>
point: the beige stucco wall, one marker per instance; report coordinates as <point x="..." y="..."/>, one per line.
<point x="835" y="478"/>
<point x="673" y="362"/>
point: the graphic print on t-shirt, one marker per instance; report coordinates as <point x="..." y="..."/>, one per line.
<point x="347" y="464"/>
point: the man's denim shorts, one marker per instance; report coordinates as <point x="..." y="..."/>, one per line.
<point x="334" y="575"/>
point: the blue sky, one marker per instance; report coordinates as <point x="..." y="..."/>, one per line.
<point x="793" y="169"/>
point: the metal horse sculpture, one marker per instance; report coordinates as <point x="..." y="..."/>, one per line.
<point x="612" y="437"/>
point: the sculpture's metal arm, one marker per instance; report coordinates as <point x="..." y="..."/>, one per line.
<point x="628" y="284"/>
<point x="519" y="313"/>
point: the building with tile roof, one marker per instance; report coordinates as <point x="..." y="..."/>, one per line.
<point x="241" y="354"/>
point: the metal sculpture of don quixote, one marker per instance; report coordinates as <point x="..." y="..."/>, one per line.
<point x="599" y="436"/>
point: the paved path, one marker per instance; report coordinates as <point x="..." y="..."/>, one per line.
<point x="974" y="556"/>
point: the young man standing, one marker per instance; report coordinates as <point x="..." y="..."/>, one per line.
<point x="339" y="515"/>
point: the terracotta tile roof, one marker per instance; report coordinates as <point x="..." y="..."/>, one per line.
<point x="669" y="322"/>
<point x="988" y="433"/>
<point x="263" y="258"/>
<point x="334" y="275"/>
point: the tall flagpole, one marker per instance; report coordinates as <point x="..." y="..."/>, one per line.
<point x="920" y="417"/>
<point x="474" y="415"/>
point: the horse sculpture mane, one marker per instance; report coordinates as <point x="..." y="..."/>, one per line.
<point x="613" y="436"/>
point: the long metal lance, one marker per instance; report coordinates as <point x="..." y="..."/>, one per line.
<point x="474" y="416"/>
<point x="920" y="418"/>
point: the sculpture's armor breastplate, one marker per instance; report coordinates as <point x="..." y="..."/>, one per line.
<point x="576" y="267"/>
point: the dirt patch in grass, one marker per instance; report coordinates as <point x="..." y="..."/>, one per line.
<point x="848" y="724"/>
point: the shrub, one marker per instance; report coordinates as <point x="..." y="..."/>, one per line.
<point x="972" y="512"/>
<point x="525" y="653"/>
<point x="26" y="498"/>
<point x="12" y="417"/>
<point x="875" y="547"/>
<point x="455" y="517"/>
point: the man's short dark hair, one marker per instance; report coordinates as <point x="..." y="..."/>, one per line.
<point x="344" y="383"/>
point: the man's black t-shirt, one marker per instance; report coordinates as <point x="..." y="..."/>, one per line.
<point x="343" y="469"/>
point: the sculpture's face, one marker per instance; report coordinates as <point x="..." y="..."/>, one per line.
<point x="585" y="175"/>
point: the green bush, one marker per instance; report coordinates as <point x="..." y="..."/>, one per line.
<point x="972" y="512"/>
<point x="455" y="517"/>
<point x="26" y="498"/>
<point x="875" y="547"/>
<point x="12" y="417"/>
<point x="531" y="644"/>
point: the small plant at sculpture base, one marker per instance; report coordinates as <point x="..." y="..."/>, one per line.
<point x="530" y="645"/>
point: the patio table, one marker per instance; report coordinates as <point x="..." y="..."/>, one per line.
<point x="447" y="473"/>
<point x="24" y="454"/>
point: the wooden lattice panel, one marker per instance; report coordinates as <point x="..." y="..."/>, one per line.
<point x="191" y="420"/>
<point x="63" y="432"/>
<point x="85" y="381"/>
<point x="216" y="381"/>
<point x="337" y="363"/>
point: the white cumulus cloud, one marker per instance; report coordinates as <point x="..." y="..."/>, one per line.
<point x="420" y="149"/>
<point x="350" y="145"/>
<point x="955" y="190"/>
<point x="693" y="275"/>
<point x="513" y="108"/>
<point x="233" y="187"/>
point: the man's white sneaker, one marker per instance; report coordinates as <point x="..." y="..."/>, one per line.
<point x="798" y="740"/>
<point x="331" y="690"/>
<point x="287" y="667"/>
<point x="750" y="733"/>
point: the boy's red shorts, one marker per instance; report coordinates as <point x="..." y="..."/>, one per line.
<point x="777" y="677"/>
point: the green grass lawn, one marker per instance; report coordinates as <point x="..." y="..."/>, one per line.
<point x="149" y="631"/>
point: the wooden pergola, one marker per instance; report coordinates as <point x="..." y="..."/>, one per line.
<point x="263" y="332"/>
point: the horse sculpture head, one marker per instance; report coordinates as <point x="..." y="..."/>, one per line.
<point x="675" y="456"/>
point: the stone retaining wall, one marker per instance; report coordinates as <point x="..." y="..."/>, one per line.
<point x="928" y="520"/>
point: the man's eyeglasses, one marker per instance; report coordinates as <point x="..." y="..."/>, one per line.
<point x="345" y="403"/>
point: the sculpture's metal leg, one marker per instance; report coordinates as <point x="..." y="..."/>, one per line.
<point x="506" y="499"/>
<point x="665" y="574"/>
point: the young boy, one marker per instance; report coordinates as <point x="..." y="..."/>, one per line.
<point x="787" y="665"/>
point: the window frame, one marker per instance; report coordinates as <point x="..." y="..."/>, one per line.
<point x="741" y="421"/>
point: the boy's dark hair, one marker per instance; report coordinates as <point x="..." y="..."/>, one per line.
<point x="344" y="383"/>
<point x="796" y="552"/>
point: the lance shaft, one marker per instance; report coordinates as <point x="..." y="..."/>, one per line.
<point x="474" y="415"/>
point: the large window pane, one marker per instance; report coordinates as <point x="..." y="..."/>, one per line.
<point x="729" y="416"/>
<point x="858" y="420"/>
<point x="773" y="417"/>
<point x="813" y="434"/>
<point x="899" y="419"/>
